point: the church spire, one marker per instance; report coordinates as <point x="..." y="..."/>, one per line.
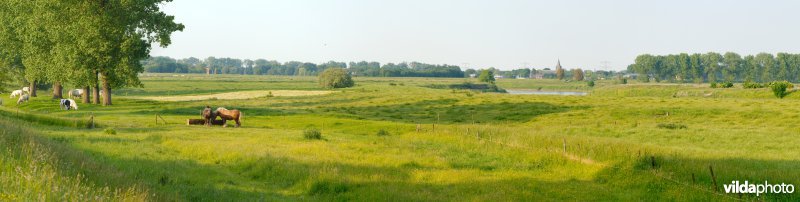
<point x="558" y="66"/>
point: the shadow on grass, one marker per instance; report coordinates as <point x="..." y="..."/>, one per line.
<point x="447" y="111"/>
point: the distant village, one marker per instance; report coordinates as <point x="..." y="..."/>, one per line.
<point x="551" y="73"/>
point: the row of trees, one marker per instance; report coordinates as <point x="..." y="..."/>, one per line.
<point x="91" y="44"/>
<point x="271" y="67"/>
<point x="715" y="67"/>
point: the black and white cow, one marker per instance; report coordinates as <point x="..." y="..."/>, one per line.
<point x="67" y="104"/>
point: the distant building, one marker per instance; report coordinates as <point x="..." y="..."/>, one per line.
<point x="544" y="74"/>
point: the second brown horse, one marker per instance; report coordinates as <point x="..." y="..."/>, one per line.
<point x="226" y="115"/>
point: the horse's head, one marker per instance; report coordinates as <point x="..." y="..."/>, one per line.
<point x="207" y="113"/>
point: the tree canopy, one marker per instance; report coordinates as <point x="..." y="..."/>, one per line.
<point x="82" y="42"/>
<point x="715" y="67"/>
<point x="296" y="68"/>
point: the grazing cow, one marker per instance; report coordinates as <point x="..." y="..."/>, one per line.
<point x="26" y="89"/>
<point x="75" y="93"/>
<point x="208" y="115"/>
<point x="68" y="104"/>
<point x="16" y="93"/>
<point x="23" y="98"/>
<point x="228" y="115"/>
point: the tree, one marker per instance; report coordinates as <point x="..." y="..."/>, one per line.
<point x="335" y="78"/>
<point x="696" y="67"/>
<point x="486" y="76"/>
<point x="711" y="63"/>
<point x="751" y="69"/>
<point x="469" y="72"/>
<point x="577" y="74"/>
<point x="560" y="73"/>
<point x="126" y="30"/>
<point x="732" y="62"/>
<point x="767" y="63"/>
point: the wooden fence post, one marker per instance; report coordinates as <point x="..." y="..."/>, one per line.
<point x="653" y="162"/>
<point x="713" y="178"/>
<point x="91" y="120"/>
<point x="565" y="145"/>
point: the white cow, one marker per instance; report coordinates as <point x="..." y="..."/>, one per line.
<point x="23" y="98"/>
<point x="67" y="104"/>
<point x="26" y="89"/>
<point x="16" y="93"/>
<point x="75" y="93"/>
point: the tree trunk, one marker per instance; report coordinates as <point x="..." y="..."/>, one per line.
<point x="106" y="91"/>
<point x="85" y="95"/>
<point x="57" y="91"/>
<point x="95" y="90"/>
<point x="32" y="88"/>
<point x="96" y="94"/>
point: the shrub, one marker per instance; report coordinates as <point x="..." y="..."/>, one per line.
<point x="779" y="88"/>
<point x="494" y="88"/>
<point x="270" y="94"/>
<point x="110" y="131"/>
<point x="671" y="126"/>
<point x="713" y="85"/>
<point x="486" y="76"/>
<point x="590" y="83"/>
<point x="382" y="132"/>
<point x="726" y="84"/>
<point x="312" y="134"/>
<point x="327" y="187"/>
<point x="335" y="78"/>
<point x="750" y="84"/>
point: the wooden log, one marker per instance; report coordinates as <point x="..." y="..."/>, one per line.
<point x="202" y="122"/>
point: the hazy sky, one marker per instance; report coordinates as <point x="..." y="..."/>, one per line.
<point x="480" y="34"/>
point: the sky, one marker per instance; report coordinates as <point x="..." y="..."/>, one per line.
<point x="504" y="34"/>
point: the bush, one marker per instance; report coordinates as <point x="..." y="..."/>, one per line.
<point x="382" y="132"/>
<point x="312" y="134"/>
<point x="750" y="84"/>
<point x="327" y="187"/>
<point x="726" y="84"/>
<point x="713" y="85"/>
<point x="590" y="83"/>
<point x="486" y="76"/>
<point x="672" y="126"/>
<point x="779" y="88"/>
<point x="335" y="78"/>
<point x="110" y="131"/>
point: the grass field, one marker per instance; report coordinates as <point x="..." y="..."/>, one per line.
<point x="393" y="139"/>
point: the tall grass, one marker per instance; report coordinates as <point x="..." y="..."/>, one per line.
<point x="33" y="169"/>
<point x="46" y="119"/>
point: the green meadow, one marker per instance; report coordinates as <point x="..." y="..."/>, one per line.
<point x="394" y="139"/>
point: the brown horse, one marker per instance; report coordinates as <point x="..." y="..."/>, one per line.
<point x="228" y="115"/>
<point x="208" y="115"/>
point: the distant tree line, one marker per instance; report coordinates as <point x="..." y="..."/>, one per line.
<point x="715" y="67"/>
<point x="294" y="68"/>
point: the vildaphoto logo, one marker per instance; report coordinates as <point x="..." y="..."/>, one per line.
<point x="758" y="189"/>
